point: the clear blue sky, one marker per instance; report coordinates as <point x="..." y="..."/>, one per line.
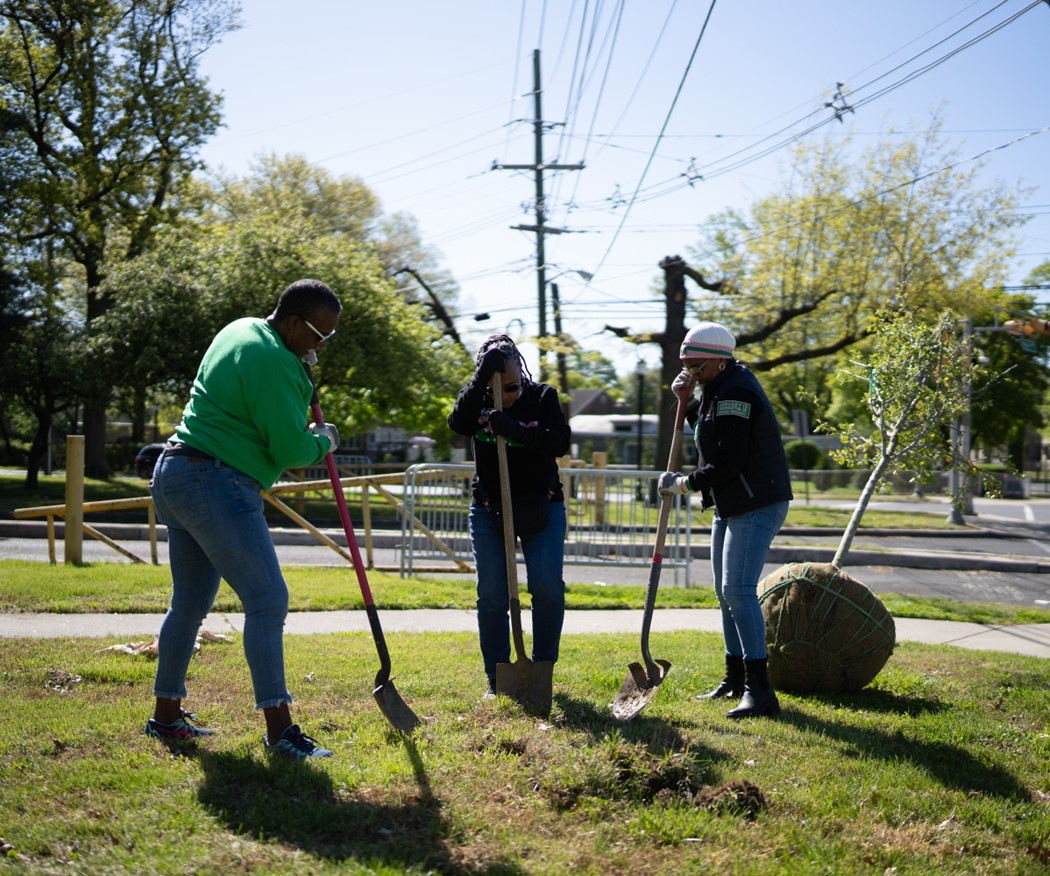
<point x="419" y="99"/>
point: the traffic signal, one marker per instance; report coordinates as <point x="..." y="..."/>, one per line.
<point x="1028" y="326"/>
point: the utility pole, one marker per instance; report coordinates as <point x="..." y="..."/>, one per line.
<point x="541" y="229"/>
<point x="559" y="357"/>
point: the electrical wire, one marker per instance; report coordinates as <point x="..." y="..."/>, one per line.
<point x="748" y="156"/>
<point x="663" y="128"/>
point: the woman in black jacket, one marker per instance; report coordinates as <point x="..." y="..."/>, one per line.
<point x="741" y="471"/>
<point x="536" y="433"/>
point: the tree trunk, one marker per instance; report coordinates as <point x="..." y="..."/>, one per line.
<point x="138" y="416"/>
<point x="95" y="463"/>
<point x="37" y="449"/>
<point x="858" y="511"/>
<point x="670" y="345"/>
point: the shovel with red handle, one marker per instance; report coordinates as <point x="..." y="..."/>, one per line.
<point x="390" y="702"/>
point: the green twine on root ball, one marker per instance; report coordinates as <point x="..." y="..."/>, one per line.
<point x="825" y="631"/>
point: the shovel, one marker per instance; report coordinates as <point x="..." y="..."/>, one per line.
<point x="390" y="702"/>
<point x="642" y="681"/>
<point x="525" y="681"/>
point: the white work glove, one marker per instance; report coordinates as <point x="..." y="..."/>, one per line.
<point x="329" y="431"/>
<point x="683" y="383"/>
<point x="672" y="484"/>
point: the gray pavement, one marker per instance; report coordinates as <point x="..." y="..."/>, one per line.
<point x="1029" y="639"/>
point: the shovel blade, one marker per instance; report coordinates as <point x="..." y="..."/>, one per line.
<point x="638" y="688"/>
<point x="529" y="683"/>
<point x="396" y="710"/>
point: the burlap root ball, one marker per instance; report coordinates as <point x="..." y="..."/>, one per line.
<point x="825" y="631"/>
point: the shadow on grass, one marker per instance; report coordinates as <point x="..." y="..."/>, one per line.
<point x="882" y="701"/>
<point x="951" y="765"/>
<point x="658" y="735"/>
<point x="297" y="804"/>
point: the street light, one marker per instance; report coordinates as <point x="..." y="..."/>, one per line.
<point x="639" y="371"/>
<point x="556" y="305"/>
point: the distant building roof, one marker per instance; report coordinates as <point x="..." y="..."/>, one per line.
<point x="593" y="401"/>
<point x="612" y="425"/>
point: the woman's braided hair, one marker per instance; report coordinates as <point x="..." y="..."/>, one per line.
<point x="509" y="349"/>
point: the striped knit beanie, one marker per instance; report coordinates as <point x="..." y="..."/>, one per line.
<point x="708" y="340"/>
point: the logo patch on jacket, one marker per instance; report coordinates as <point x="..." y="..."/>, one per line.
<point x="730" y="408"/>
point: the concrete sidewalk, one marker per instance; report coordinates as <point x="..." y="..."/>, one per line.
<point x="1028" y="639"/>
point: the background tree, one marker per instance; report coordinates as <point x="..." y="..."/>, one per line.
<point x="105" y="105"/>
<point x="1040" y="275"/>
<point x="915" y="376"/>
<point x="42" y="366"/>
<point x="813" y="262"/>
<point x="245" y="241"/>
<point x="799" y="276"/>
<point x="13" y="322"/>
<point x="1005" y="414"/>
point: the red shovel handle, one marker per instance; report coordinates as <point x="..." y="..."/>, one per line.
<point x="344" y="513"/>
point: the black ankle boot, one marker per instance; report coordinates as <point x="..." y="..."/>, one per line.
<point x="759" y="700"/>
<point x="733" y="683"/>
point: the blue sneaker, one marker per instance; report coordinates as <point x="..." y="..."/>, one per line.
<point x="296" y="745"/>
<point x="178" y="730"/>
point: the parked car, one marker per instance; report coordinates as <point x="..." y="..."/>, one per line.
<point x="146" y="458"/>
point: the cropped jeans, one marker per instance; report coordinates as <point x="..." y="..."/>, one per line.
<point x="216" y="529"/>
<point x="544" y="554"/>
<point x="739" y="545"/>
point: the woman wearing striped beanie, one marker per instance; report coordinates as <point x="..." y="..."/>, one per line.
<point x="742" y="473"/>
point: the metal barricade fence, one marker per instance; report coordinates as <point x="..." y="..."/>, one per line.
<point x="610" y="519"/>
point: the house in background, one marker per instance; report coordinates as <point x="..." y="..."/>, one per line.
<point x="615" y="434"/>
<point x="594" y="401"/>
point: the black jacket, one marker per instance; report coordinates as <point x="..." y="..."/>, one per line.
<point x="741" y="463"/>
<point x="542" y="436"/>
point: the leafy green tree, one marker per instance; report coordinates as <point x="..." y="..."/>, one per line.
<point x="808" y="266"/>
<point x="1003" y="414"/>
<point x="154" y="333"/>
<point x="916" y="377"/>
<point x="247" y="240"/>
<point x="104" y="104"/>
<point x="1008" y="392"/>
<point x="1040" y="275"/>
<point x="42" y="366"/>
<point x="13" y="321"/>
<point x="280" y="186"/>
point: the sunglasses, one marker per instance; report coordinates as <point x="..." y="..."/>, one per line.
<point x="321" y="336"/>
<point x="696" y="370"/>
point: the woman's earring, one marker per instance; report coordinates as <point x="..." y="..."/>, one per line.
<point x="721" y="366"/>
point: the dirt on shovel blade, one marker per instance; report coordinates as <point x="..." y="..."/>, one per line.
<point x="529" y="683"/>
<point x="637" y="689"/>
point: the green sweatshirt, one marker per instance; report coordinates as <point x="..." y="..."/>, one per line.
<point x="248" y="406"/>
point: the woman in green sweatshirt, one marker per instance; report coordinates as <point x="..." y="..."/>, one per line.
<point x="246" y="421"/>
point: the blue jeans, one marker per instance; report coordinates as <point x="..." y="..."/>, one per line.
<point x="739" y="545"/>
<point x="216" y="529"/>
<point x="544" y="553"/>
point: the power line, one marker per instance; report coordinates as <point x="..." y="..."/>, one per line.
<point x="656" y="145"/>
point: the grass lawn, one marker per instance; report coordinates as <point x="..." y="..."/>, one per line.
<point x="940" y="766"/>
